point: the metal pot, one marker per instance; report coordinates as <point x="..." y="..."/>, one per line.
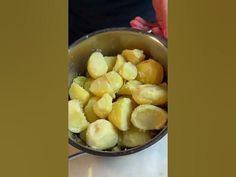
<point x="112" y="41"/>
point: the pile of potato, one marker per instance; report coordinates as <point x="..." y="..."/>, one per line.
<point x="119" y="101"/>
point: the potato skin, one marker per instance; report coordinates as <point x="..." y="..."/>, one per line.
<point x="79" y="93"/>
<point x="121" y="112"/>
<point x="150" y="94"/>
<point x="150" y="72"/>
<point x="76" y="119"/>
<point x="101" y="135"/>
<point x="134" y="56"/>
<point x="148" y="117"/>
<point x="97" y="65"/>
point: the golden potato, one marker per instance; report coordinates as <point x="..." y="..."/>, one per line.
<point x="100" y="86"/>
<point x="77" y="92"/>
<point x="76" y="119"/>
<point x="80" y="80"/>
<point x="128" y="87"/>
<point x="135" y="137"/>
<point x="134" y="56"/>
<point x="103" y="106"/>
<point x="97" y="65"/>
<point x="120" y="114"/>
<point x="119" y="62"/>
<point x="150" y="72"/>
<point x="150" y="94"/>
<point x="148" y="117"/>
<point x="128" y="71"/>
<point x="88" y="110"/>
<point x="111" y="61"/>
<point x="115" y="80"/>
<point x="101" y="135"/>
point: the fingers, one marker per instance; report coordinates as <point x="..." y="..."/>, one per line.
<point x="161" y="9"/>
<point x="138" y="25"/>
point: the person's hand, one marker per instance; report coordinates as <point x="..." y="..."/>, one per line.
<point x="160" y="26"/>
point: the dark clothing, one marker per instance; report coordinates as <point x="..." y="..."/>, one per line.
<point x="86" y="16"/>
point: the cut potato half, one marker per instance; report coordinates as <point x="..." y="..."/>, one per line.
<point x="148" y="117"/>
<point x="134" y="56"/>
<point x="76" y="119"/>
<point x="128" y="71"/>
<point x="120" y="114"/>
<point x="128" y="87"/>
<point x="88" y="110"/>
<point x="103" y="106"/>
<point x="79" y="93"/>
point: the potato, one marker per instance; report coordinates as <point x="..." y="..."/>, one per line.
<point x="87" y="84"/>
<point x="100" y="86"/>
<point x="120" y="114"/>
<point x="101" y="135"/>
<point x="134" y="56"/>
<point x="111" y="61"/>
<point x="103" y="106"/>
<point x="128" y="87"/>
<point x="135" y="137"/>
<point x="77" y="92"/>
<point x="148" y="117"/>
<point x="128" y="71"/>
<point x="150" y="72"/>
<point x="150" y="94"/>
<point x="97" y="65"/>
<point x="119" y="62"/>
<point x="80" y="80"/>
<point x="115" y="80"/>
<point x="88" y="110"/>
<point x="76" y="119"/>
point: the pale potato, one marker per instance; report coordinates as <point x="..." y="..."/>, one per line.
<point x="149" y="117"/>
<point x="101" y="135"/>
<point x="77" y="92"/>
<point x="128" y="71"/>
<point x="128" y="87"/>
<point x="134" y="56"/>
<point x="103" y="106"/>
<point x="111" y="61"/>
<point x="76" y="119"/>
<point x="150" y="72"/>
<point x="119" y="62"/>
<point x="135" y="137"/>
<point x="100" y="86"/>
<point x="97" y="65"/>
<point x="115" y="80"/>
<point x="150" y="94"/>
<point x="120" y="114"/>
<point x="87" y="84"/>
<point x="80" y="80"/>
<point x="88" y="110"/>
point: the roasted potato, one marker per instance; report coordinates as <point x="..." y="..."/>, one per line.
<point x="150" y="72"/>
<point x="101" y="135"/>
<point x="103" y="106"/>
<point x="149" y="117"/>
<point x="128" y="87"/>
<point x="120" y="114"/>
<point x="76" y="119"/>
<point x="100" y="86"/>
<point x="128" y="71"/>
<point x="115" y="80"/>
<point x="150" y="94"/>
<point x="77" y="92"/>
<point x="97" y="65"/>
<point x="88" y="110"/>
<point x="111" y="61"/>
<point x="134" y="56"/>
<point x="119" y="62"/>
<point x="135" y="137"/>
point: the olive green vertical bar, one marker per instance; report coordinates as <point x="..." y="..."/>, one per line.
<point x="33" y="96"/>
<point x="202" y="88"/>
